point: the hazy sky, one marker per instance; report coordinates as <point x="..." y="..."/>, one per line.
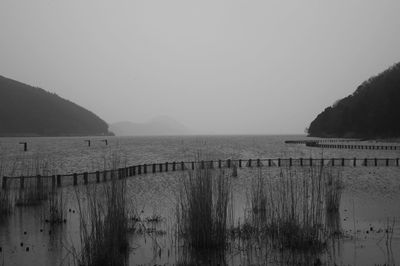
<point x="216" y="66"/>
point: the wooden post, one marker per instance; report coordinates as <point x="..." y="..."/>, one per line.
<point x="130" y="170"/>
<point x="310" y="161"/>
<point x="202" y="164"/>
<point x="333" y="161"/>
<point x="104" y="176"/>
<point x="25" y="145"/>
<point x="269" y="162"/>
<point x="219" y="163"/>
<point x="139" y="170"/>
<point x="182" y="166"/>
<point x="166" y="167"/>
<point x="365" y="162"/>
<point x="58" y="180"/>
<point x="53" y="182"/>
<point x="354" y="161"/>
<point x="397" y="161"/>
<point x="249" y="162"/>
<point x="22" y="182"/>
<point x="376" y="161"/>
<point x="258" y="163"/>
<point x="290" y="162"/>
<point x="322" y="161"/>
<point x="4" y="183"/>
<point x="97" y="177"/>
<point x="240" y="163"/>
<point x="38" y="181"/>
<point x="387" y="162"/>
<point x="301" y="161"/>
<point x="75" y="177"/>
<point x="160" y="167"/>
<point x="85" y="178"/>
<point x="154" y="168"/>
<point x="228" y="162"/>
<point x="174" y="166"/>
<point x="133" y="170"/>
<point x="342" y="161"/>
<point x="192" y="165"/>
<point x="145" y="168"/>
<point x="279" y="162"/>
<point x="88" y="142"/>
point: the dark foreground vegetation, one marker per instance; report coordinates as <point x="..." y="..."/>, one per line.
<point x="31" y="111"/>
<point x="372" y="111"/>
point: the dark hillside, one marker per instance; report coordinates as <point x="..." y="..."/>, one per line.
<point x="372" y="111"/>
<point x="31" y="111"/>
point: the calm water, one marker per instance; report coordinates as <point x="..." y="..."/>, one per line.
<point x="371" y="196"/>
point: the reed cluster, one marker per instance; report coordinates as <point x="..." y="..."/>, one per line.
<point x="104" y="225"/>
<point x="202" y="209"/>
<point x="35" y="191"/>
<point x="6" y="203"/>
<point x="291" y="208"/>
<point x="56" y="207"/>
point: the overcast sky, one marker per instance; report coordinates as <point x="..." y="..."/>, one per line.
<point x="216" y="66"/>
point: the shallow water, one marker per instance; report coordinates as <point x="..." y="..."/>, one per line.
<point x="371" y="196"/>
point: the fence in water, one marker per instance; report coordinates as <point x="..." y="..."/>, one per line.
<point x="85" y="178"/>
<point x="353" y="146"/>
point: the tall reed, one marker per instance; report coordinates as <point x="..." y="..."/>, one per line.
<point x="202" y="211"/>
<point x="291" y="209"/>
<point x="104" y="225"/>
<point x="37" y="187"/>
<point x="6" y="202"/>
<point x="56" y="207"/>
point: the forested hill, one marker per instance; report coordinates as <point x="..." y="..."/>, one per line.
<point x="372" y="111"/>
<point x="30" y="111"/>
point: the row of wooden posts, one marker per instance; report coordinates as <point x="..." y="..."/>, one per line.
<point x="319" y="141"/>
<point x="142" y="169"/>
<point x="88" y="141"/>
<point x="353" y="146"/>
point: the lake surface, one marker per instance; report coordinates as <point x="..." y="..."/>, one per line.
<point x="371" y="196"/>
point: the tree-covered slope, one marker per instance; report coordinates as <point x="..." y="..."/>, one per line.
<point x="372" y="111"/>
<point x="30" y="111"/>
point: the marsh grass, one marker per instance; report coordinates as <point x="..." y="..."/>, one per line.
<point x="334" y="188"/>
<point x="35" y="192"/>
<point x="104" y="225"/>
<point x="56" y="207"/>
<point x="37" y="188"/>
<point x="6" y="195"/>
<point x="6" y="204"/>
<point x="202" y="209"/>
<point x="290" y="210"/>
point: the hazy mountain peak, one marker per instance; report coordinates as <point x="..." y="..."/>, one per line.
<point x="159" y="125"/>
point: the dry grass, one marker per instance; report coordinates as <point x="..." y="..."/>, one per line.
<point x="6" y="199"/>
<point x="36" y="191"/>
<point x="104" y="225"/>
<point x="202" y="211"/>
<point x="291" y="209"/>
<point x="56" y="207"/>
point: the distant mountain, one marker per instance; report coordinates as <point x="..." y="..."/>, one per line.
<point x="161" y="125"/>
<point x="372" y="111"/>
<point x="31" y="111"/>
